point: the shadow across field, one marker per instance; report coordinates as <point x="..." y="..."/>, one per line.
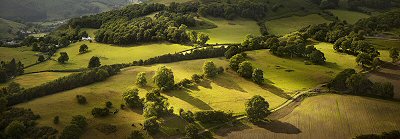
<point x="279" y="127"/>
<point x="224" y="131"/>
<point x="275" y="90"/>
<point x="185" y="96"/>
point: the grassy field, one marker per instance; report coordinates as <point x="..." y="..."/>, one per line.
<point x="31" y="80"/>
<point x="23" y="54"/>
<point x="286" y="25"/>
<point x="9" y="29"/>
<point x="230" y="31"/>
<point x="108" y="54"/>
<point x="384" y="44"/>
<point x="325" y="116"/>
<point x="349" y="16"/>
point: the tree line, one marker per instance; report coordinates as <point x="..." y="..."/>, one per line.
<point x="10" y="69"/>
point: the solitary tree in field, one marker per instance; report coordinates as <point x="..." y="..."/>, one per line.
<point x="257" y="108"/>
<point x="394" y="54"/>
<point x="258" y="76"/>
<point x="209" y="69"/>
<point x="141" y="79"/>
<point x="63" y="57"/>
<point x="235" y="61"/>
<point x="94" y="62"/>
<point x="202" y="38"/>
<point x="164" y="78"/>
<point x="83" y="48"/>
<point x="245" y="69"/>
<point x="317" y="57"/>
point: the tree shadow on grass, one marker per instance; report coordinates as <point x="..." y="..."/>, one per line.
<point x="275" y="90"/>
<point x="228" y="84"/>
<point x="331" y="65"/>
<point x="185" y="96"/>
<point x="387" y="75"/>
<point x="205" y="83"/>
<point x="225" y="130"/>
<point x="279" y="127"/>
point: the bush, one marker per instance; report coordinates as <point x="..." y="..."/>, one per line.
<point x="81" y="99"/>
<point x="192" y="131"/>
<point x="151" y="125"/>
<point x="212" y="116"/>
<point x="107" y="128"/>
<point x="136" y="135"/>
<point x="339" y="82"/>
<point x="94" y="62"/>
<point x="100" y="112"/>
<point x="56" y="120"/>
<point x="220" y="70"/>
<point x="186" y="83"/>
<point x="197" y="78"/>
<point x="109" y="104"/>
<point x="71" y="132"/>
<point x="80" y="121"/>
<point x="235" y="61"/>
<point x="63" y="58"/>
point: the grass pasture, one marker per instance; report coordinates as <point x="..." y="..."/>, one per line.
<point x="325" y="116"/>
<point x="293" y="23"/>
<point x="31" y="80"/>
<point x="349" y="16"/>
<point x="108" y="54"/>
<point x="23" y="54"/>
<point x="230" y="31"/>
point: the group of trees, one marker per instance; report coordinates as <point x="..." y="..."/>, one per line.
<point x="245" y="69"/>
<point x="235" y="8"/>
<point x="65" y="83"/>
<point x="10" y="69"/>
<point x="257" y="108"/>
<point x="358" y="84"/>
<point x="210" y="70"/>
<point x="21" y="123"/>
<point x="381" y="22"/>
<point x="75" y="129"/>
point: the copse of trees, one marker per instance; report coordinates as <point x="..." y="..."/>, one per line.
<point x="151" y="125"/>
<point x="376" y="4"/>
<point x="10" y="69"/>
<point x="100" y="112"/>
<point x="94" y="62"/>
<point x="235" y="61"/>
<point x="258" y="76"/>
<point x="257" y="108"/>
<point x="164" y="78"/>
<point x="349" y="81"/>
<point x="394" y="54"/>
<point x="155" y="104"/>
<point x="76" y="128"/>
<point x="231" y="9"/>
<point x="65" y="83"/>
<point x="212" y="116"/>
<point x="245" y="69"/>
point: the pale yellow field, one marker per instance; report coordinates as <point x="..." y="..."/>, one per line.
<point x="108" y="54"/>
<point x="230" y="31"/>
<point x="326" y="116"/>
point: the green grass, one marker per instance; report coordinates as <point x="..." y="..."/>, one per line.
<point x="349" y="16"/>
<point x="230" y="31"/>
<point x="384" y="44"/>
<point x="108" y="54"/>
<point x="23" y="54"/>
<point x="326" y="116"/>
<point x="290" y="24"/>
<point x="9" y="29"/>
<point x="31" y="80"/>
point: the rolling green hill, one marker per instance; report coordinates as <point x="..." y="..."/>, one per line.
<point x="9" y="29"/>
<point x="36" y="10"/>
